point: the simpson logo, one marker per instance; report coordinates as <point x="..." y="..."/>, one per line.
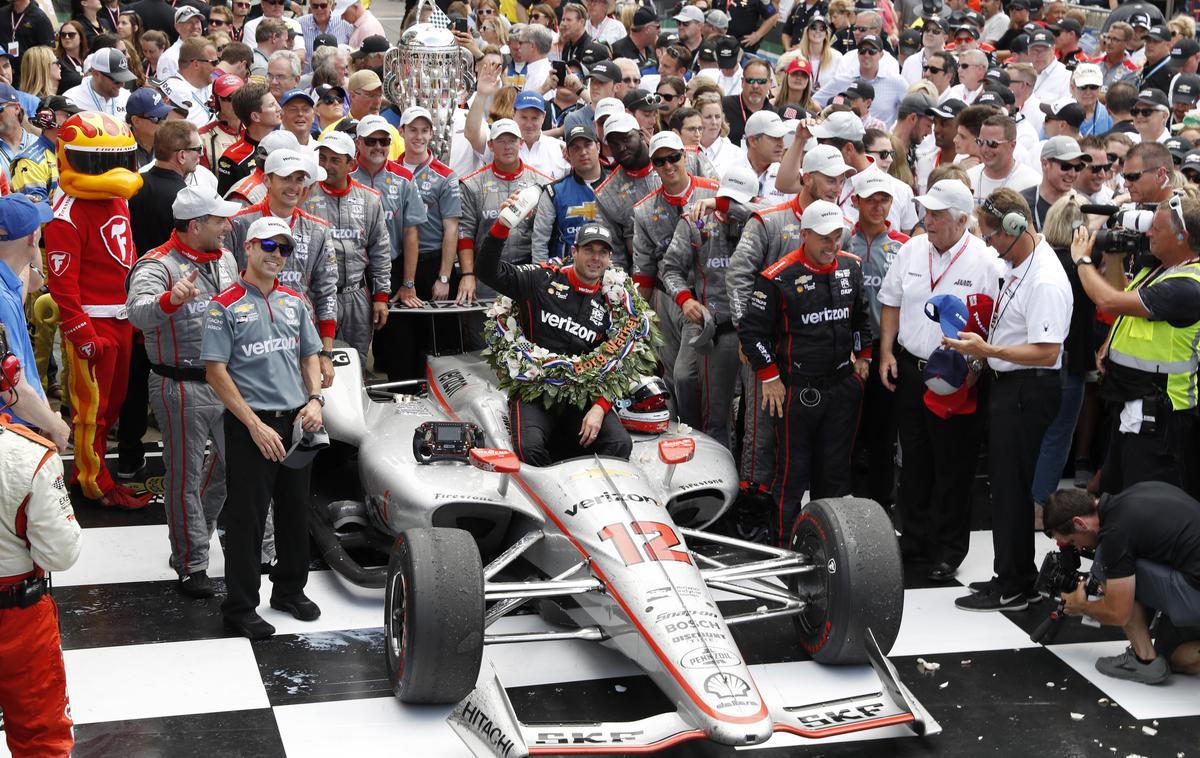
<point x="726" y="686"/>
<point x="118" y="240"/>
<point x="262" y="347"/>
<point x="709" y="657"/>
<point x="482" y="724"/>
<point x="825" y="314"/>
<point x="569" y="325"/>
<point x="59" y="262"/>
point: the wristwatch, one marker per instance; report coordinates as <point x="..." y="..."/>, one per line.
<point x="1085" y="259"/>
<point x="975" y="364"/>
<point x="318" y="398"/>
<point x="408" y="285"/>
<point x="326" y="354"/>
<point x="444" y="279"/>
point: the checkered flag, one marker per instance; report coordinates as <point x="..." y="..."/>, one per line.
<point x="439" y="18"/>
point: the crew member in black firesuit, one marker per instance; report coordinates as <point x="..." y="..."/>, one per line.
<point x="561" y="324"/>
<point x="807" y="333"/>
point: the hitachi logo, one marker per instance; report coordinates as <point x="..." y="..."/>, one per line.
<point x="488" y="729"/>
<point x="270" y="346"/>
<point x="569" y="325"/>
<point x="827" y="314"/>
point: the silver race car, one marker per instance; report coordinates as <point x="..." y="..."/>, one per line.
<point x="606" y="550"/>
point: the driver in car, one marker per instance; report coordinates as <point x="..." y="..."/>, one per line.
<point x="556" y="307"/>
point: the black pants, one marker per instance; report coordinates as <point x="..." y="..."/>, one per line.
<point x="813" y="442"/>
<point x="1023" y="403"/>
<point x="131" y="452"/>
<point x="1167" y="454"/>
<point x="537" y="431"/>
<point x="940" y="456"/>
<point x="403" y="343"/>
<point x="253" y="482"/>
<point x="877" y="436"/>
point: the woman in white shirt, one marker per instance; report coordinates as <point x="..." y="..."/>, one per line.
<point x="817" y="48"/>
<point x="714" y="140"/>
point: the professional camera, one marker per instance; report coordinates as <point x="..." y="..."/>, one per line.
<point x="1060" y="573"/>
<point x="1125" y="231"/>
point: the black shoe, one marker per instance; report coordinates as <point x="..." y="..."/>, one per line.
<point x="995" y="600"/>
<point x="1031" y="595"/>
<point x="127" y="472"/>
<point x="196" y="584"/>
<point x="251" y="625"/>
<point x="299" y="606"/>
<point x="942" y="572"/>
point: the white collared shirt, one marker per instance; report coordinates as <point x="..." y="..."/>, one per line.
<point x="546" y="156"/>
<point x="1053" y="84"/>
<point x="908" y="285"/>
<point x="903" y="214"/>
<point x="1034" y="306"/>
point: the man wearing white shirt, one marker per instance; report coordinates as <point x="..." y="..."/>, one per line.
<point x="604" y="28"/>
<point x="972" y="69"/>
<point x="765" y="132"/>
<point x="997" y="21"/>
<point x="535" y="41"/>
<point x="1053" y="79"/>
<point x="193" y="84"/>
<point x="889" y="88"/>
<point x="848" y="67"/>
<point x="189" y="22"/>
<point x="998" y="168"/>
<point x="537" y="150"/>
<point x="1150" y="116"/>
<point x="274" y="9"/>
<point x="1023" y="351"/>
<point x="1022" y="80"/>
<point x="103" y="90"/>
<point x="933" y="40"/>
<point x="1062" y="163"/>
<point x="939" y="450"/>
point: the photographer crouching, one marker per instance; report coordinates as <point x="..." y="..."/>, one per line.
<point x="1150" y="360"/>
<point x="1147" y="542"/>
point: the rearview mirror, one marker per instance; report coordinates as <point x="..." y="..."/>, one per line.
<point x="675" y="451"/>
<point x="495" y="460"/>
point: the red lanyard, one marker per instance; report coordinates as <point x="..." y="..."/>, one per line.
<point x="933" y="283"/>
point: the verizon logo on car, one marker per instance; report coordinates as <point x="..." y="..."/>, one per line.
<point x="569" y="325"/>
<point x="262" y="347"/>
<point x="826" y="314"/>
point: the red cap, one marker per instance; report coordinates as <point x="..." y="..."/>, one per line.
<point x="979" y="314"/>
<point x="799" y="64"/>
<point x="960" y="403"/>
<point x="226" y="84"/>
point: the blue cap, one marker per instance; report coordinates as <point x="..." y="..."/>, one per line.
<point x="20" y="216"/>
<point x="529" y="99"/>
<point x="147" y="103"/>
<point x="292" y="94"/>
<point x="8" y="94"/>
<point x="949" y="311"/>
<point x="945" y="371"/>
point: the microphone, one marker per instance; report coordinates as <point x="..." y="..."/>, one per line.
<point x="1099" y="210"/>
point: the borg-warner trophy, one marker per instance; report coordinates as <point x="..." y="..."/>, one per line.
<point x="427" y="68"/>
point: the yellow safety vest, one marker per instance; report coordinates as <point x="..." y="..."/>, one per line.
<point x="1156" y="347"/>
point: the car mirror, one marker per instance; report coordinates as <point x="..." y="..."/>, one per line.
<point x="673" y="452"/>
<point x="495" y="460"/>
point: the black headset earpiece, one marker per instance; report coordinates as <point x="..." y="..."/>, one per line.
<point x="1012" y="223"/>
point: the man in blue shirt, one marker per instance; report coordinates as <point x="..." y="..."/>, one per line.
<point x="20" y="224"/>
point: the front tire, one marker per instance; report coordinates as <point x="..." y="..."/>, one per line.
<point x="859" y="582"/>
<point x="433" y="615"/>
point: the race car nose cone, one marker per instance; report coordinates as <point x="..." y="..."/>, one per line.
<point x="729" y="733"/>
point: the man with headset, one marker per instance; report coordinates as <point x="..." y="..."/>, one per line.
<point x="1024" y="353"/>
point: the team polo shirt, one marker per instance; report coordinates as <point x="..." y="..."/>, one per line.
<point x="1033" y="306"/>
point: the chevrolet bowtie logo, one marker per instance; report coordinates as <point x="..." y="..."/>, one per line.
<point x="586" y="210"/>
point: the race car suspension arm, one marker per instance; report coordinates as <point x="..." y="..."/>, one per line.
<point x="507" y="605"/>
<point x="546" y="588"/>
<point x="789" y="605"/>
<point x="513" y="552"/>
<point x="589" y="633"/>
<point x="756" y="570"/>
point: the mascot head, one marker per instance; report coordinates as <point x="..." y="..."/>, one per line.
<point x="96" y="158"/>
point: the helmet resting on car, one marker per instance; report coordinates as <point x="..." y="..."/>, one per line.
<point x="96" y="158"/>
<point x="645" y="410"/>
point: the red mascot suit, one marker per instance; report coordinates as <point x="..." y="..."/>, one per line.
<point x="89" y="252"/>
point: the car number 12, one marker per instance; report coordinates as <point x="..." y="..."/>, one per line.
<point x="659" y="548"/>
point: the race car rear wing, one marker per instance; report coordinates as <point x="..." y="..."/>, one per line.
<point x="487" y="724"/>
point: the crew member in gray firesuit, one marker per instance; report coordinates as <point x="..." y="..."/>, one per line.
<point x="693" y="272"/>
<point x="360" y="241"/>
<point x="169" y="291"/>
<point x="654" y="219"/>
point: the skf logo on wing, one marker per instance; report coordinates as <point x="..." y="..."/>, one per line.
<point x="586" y="738"/>
<point x="841" y="716"/>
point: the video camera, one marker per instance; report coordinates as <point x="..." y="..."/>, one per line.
<point x="1125" y="231"/>
<point x="1060" y="573"/>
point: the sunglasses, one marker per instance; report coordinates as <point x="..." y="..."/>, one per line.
<point x="331" y="99"/>
<point x="992" y="143"/>
<point x="271" y="246"/>
<point x="1114" y="158"/>
<point x="197" y="149"/>
<point x="485" y="12"/>
<point x="863" y="29"/>
<point x="273" y="2"/>
<point x="216" y="22"/>
<point x="1100" y="168"/>
<point x="671" y="158"/>
<point x="933" y="30"/>
<point x="1176" y="206"/>
<point x="965" y="66"/>
<point x="760" y="80"/>
<point x="868" y="51"/>
<point x="631" y="80"/>
<point x="318" y="6"/>
<point x="933" y="70"/>
<point x="1090" y="87"/>
<point x="241" y="5"/>
<point x="377" y="141"/>
<point x="537" y="15"/>
<point x="1142" y="111"/>
<point x="818" y="28"/>
<point x="1071" y="166"/>
<point x="68" y="35"/>
<point x="1133" y="176"/>
<point x="883" y="155"/>
<point x="668" y="97"/>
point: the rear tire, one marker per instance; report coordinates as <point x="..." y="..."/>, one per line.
<point x="433" y="615"/>
<point x="859" y="583"/>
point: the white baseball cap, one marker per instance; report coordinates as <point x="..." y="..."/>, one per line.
<point x="504" y="126"/>
<point x="622" y="123"/>
<point x="825" y="159"/>
<point x="373" y="123"/>
<point x="338" y="142"/>
<point x="194" y="202"/>
<point x="280" y="139"/>
<point x="665" y="140"/>
<point x="823" y="217"/>
<point x="608" y="106"/>
<point x="689" y="13"/>
<point x="1087" y="74"/>
<point x="341" y="6"/>
<point x="765" y="122"/>
<point x="871" y="183"/>
<point x="948" y="194"/>
<point x="288" y="162"/>
<point x="268" y="227"/>
<point x="739" y="184"/>
<point x="409" y="115"/>
<point x="840" y="125"/>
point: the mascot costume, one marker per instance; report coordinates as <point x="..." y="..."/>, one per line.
<point x="89" y="252"/>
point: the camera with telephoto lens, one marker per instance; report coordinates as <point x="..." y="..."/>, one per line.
<point x="1125" y="231"/>
<point x="1060" y="573"/>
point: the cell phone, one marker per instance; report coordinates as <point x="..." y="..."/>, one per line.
<point x="459" y="25"/>
<point x="560" y="70"/>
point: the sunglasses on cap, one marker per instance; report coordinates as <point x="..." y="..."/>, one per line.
<point x="270" y="246"/>
<point x="669" y="158"/>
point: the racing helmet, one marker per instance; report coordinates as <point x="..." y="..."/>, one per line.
<point x="96" y="158"/>
<point x="645" y="410"/>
